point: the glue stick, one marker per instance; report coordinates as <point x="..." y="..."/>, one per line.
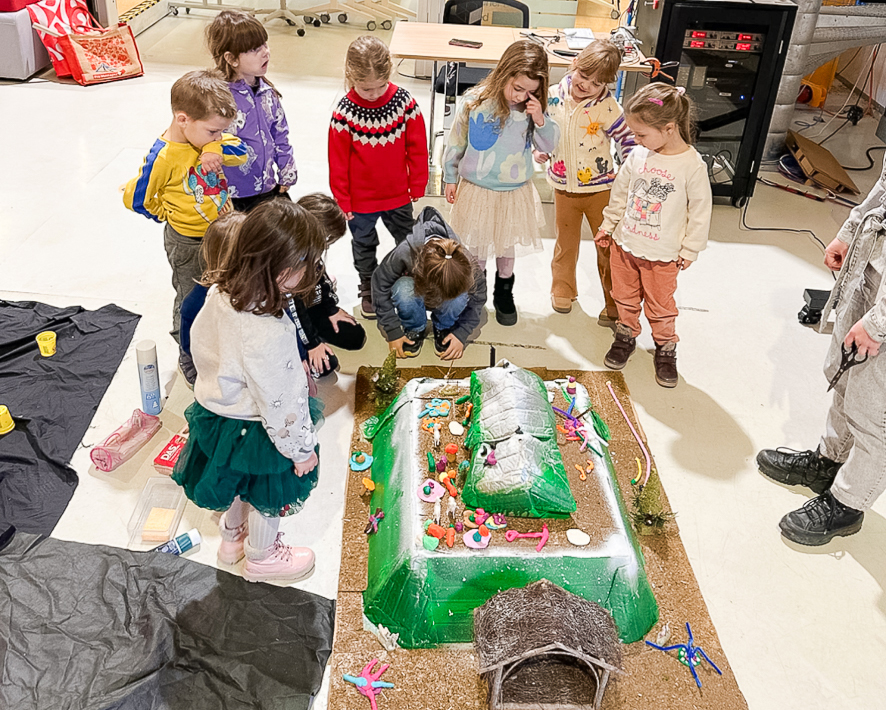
<point x="148" y="376"/>
<point x="180" y="544"/>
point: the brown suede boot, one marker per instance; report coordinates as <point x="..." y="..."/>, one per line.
<point x="666" y="364"/>
<point x="622" y="347"/>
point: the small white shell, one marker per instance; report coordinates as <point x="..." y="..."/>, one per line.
<point x="456" y="429"/>
<point x="577" y="537"/>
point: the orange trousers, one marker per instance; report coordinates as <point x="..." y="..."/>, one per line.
<point x="640" y="283"/>
<point x="571" y="209"/>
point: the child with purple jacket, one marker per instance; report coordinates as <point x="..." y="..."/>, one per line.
<point x="239" y="45"/>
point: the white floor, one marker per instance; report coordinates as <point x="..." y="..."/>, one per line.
<point x="803" y="628"/>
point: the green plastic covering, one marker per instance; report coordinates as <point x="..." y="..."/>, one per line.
<point x="512" y="413"/>
<point x="428" y="597"/>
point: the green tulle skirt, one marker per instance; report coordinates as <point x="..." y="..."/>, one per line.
<point x="225" y="458"/>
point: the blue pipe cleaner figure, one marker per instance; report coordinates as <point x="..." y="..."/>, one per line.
<point x="688" y="654"/>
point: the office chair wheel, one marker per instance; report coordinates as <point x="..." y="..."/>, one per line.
<point x="317" y="23"/>
<point x="308" y="20"/>
<point x="300" y="32"/>
<point x="740" y="201"/>
<point x="371" y="25"/>
<point x="614" y="15"/>
<point x="175" y="11"/>
<point x="325" y="18"/>
<point x="386" y="24"/>
<point x="343" y="18"/>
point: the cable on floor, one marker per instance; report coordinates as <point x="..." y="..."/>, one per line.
<point x="747" y="227"/>
<point x="867" y="155"/>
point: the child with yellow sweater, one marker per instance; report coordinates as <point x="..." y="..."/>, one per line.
<point x="181" y="182"/>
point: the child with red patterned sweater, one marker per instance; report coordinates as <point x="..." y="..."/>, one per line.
<point x="378" y="156"/>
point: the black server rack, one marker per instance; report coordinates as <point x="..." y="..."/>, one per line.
<point x="731" y="55"/>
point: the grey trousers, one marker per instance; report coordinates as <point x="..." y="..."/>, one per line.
<point x="855" y="432"/>
<point x="186" y="259"/>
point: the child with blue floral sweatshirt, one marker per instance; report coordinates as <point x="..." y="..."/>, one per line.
<point x="488" y="165"/>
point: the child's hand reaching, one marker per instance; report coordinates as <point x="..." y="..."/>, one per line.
<point x="454" y="348"/>
<point x="540" y="157"/>
<point x="397" y="345"/>
<point x="602" y="238"/>
<point x="319" y="357"/>
<point x="683" y="264"/>
<point x="534" y="109"/>
<point x="341" y="316"/>
<point x="211" y="162"/>
<point x="349" y="216"/>
<point x="450" y="192"/>
<point x="300" y="469"/>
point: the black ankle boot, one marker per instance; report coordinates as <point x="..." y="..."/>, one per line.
<point x="798" y="468"/>
<point x="503" y="300"/>
<point x="820" y="520"/>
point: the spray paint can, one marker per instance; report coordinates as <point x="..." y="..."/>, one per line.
<point x="149" y="376"/>
<point x="180" y="544"/>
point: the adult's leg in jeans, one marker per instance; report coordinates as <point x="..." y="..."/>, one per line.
<point x="569" y="216"/>
<point x="594" y="205"/>
<point x="627" y="289"/>
<point x="837" y="441"/>
<point x="364" y="242"/>
<point x="862" y="479"/>
<point x="659" y="281"/>
<point x="410" y="308"/>
<point x="399" y="222"/>
<point x="446" y="314"/>
<point x="184" y="255"/>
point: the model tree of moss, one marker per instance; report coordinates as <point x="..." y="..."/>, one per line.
<point x="648" y="515"/>
<point x="387" y="383"/>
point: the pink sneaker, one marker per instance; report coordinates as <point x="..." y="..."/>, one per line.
<point x="278" y="563"/>
<point x="230" y="551"/>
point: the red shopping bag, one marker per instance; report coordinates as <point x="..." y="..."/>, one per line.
<point x="60" y="17"/>
<point x="98" y="56"/>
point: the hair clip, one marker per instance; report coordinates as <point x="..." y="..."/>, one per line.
<point x="657" y="101"/>
<point x="681" y="90"/>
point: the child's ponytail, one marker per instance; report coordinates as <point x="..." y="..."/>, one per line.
<point x="659" y="104"/>
<point x="442" y="271"/>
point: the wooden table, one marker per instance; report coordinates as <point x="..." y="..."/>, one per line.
<point x="429" y="41"/>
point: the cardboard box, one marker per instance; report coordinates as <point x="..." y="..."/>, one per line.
<point x="819" y="164"/>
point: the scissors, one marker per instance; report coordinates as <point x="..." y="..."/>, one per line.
<point x="849" y="359"/>
<point x="657" y="67"/>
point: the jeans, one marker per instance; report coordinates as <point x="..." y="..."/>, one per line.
<point x="412" y="311"/>
<point x="364" y="237"/>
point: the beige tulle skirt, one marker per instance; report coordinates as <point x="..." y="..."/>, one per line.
<point x="492" y="223"/>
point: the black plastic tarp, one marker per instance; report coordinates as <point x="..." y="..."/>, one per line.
<point x="93" y="627"/>
<point x="52" y="401"/>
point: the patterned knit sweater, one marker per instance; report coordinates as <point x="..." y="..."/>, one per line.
<point x="378" y="152"/>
